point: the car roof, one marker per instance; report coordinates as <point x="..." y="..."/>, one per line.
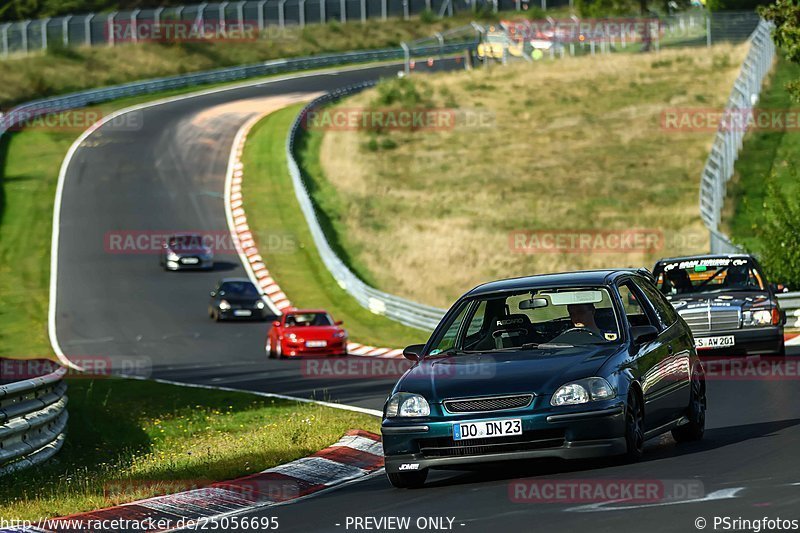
<point x="301" y="311"/>
<point x="561" y="279"/>
<point x="703" y="256"/>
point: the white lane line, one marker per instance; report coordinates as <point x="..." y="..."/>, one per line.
<point x="62" y="174"/>
<point x="345" y="407"/>
<point x="724" y="494"/>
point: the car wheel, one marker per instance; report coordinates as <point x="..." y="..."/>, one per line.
<point x="216" y="316"/>
<point x="782" y="349"/>
<point x="268" y="349"/>
<point x="634" y="428"/>
<point x="279" y="349"/>
<point x="408" y="480"/>
<point x="694" y="430"/>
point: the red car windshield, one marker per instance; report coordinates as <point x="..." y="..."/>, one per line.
<point x="308" y="319"/>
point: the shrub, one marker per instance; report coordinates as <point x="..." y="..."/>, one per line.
<point x="780" y="236"/>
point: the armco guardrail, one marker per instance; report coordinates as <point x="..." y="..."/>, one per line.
<point x="33" y="420"/>
<point x="720" y="164"/>
<point x="404" y="311"/>
<point x="29" y="110"/>
<point x="790" y="302"/>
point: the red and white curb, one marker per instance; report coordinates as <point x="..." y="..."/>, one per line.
<point x="792" y="339"/>
<point x="357" y="454"/>
<point x="248" y="251"/>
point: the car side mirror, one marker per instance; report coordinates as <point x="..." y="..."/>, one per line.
<point x="276" y="324"/>
<point x="643" y="334"/>
<point x="338" y="323"/>
<point x="413" y="352"/>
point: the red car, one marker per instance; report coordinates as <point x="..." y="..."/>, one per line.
<point x="306" y="332"/>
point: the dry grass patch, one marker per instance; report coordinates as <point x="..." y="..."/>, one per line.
<point x="576" y="144"/>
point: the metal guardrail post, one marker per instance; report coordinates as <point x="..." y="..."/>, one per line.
<point x="240" y="13"/>
<point x="5" y="39"/>
<point x="363" y="11"/>
<point x="43" y="29"/>
<point x="384" y="9"/>
<point x="260" y="7"/>
<point x="343" y="11"/>
<point x="323" y="18"/>
<point x="282" y="14"/>
<point x="110" y="28"/>
<point x="24" y="33"/>
<point x="301" y="5"/>
<point x="65" y="30"/>
<point x="87" y="28"/>
<point x="135" y="25"/>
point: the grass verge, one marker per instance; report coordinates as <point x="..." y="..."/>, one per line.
<point x="585" y="152"/>
<point x="272" y="208"/>
<point x="766" y="156"/>
<point x="176" y="438"/>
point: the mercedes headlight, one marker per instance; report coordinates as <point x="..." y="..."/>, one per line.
<point x="583" y="391"/>
<point x="759" y="317"/>
<point x="407" y="404"/>
<point x="224" y="305"/>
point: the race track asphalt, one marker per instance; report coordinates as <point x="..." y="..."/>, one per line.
<point x="169" y="175"/>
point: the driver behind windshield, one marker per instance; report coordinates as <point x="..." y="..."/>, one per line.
<point x="582" y="316"/>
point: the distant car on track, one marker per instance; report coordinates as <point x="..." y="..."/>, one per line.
<point x="237" y="298"/>
<point x="302" y="332"/>
<point x="573" y="365"/>
<point x="186" y="251"/>
<point x="727" y="302"/>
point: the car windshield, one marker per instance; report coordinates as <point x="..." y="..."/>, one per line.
<point x="239" y="288"/>
<point x="703" y="275"/>
<point x="308" y="319"/>
<point x="532" y="319"/>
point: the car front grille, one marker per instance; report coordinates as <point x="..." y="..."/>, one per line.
<point x="529" y="440"/>
<point x="709" y="319"/>
<point x="485" y="405"/>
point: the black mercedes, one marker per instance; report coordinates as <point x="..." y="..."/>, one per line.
<point x="573" y="365"/>
<point x="727" y="302"/>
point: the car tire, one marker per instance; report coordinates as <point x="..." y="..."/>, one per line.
<point x="269" y="350"/>
<point x="694" y="430"/>
<point x="634" y="429"/>
<point x="408" y="480"/>
<point x="782" y="350"/>
<point x="279" y="350"/>
<point x="216" y="316"/>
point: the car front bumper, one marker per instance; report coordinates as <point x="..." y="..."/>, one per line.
<point x="566" y="433"/>
<point x="202" y="264"/>
<point x="296" y="349"/>
<point x="747" y="341"/>
<point x="255" y="314"/>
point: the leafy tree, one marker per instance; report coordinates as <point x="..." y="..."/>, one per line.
<point x="780" y="234"/>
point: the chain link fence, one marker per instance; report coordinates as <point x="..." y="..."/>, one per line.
<point x="728" y="141"/>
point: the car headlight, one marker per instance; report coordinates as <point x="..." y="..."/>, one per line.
<point x="407" y="404"/>
<point x="292" y="337"/>
<point x="224" y="305"/>
<point x="172" y="256"/>
<point x="340" y="334"/>
<point x="759" y="317"/>
<point x="260" y="304"/>
<point x="583" y="391"/>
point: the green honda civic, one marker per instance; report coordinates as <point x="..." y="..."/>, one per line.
<point x="574" y="365"/>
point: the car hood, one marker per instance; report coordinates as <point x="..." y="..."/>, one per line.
<point x="241" y="300"/>
<point x="538" y="371"/>
<point x="744" y="299"/>
<point x="186" y="250"/>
